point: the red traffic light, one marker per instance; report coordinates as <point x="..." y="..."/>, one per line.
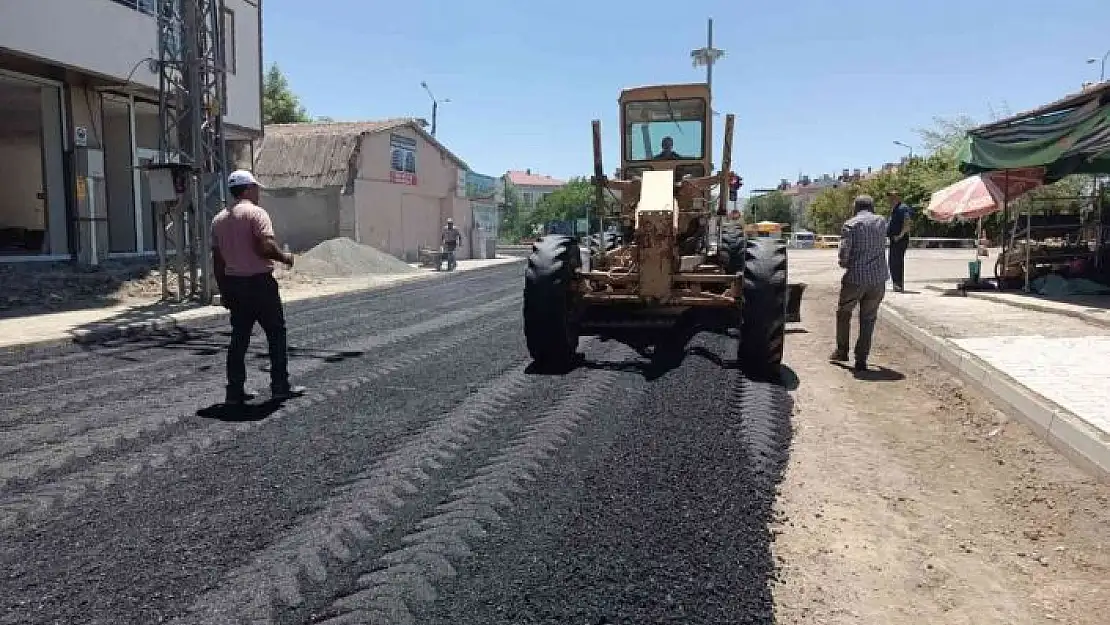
<point x="734" y="181"/>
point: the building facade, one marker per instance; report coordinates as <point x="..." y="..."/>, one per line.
<point x="532" y="187"/>
<point x="83" y="74"/>
<point x="806" y="189"/>
<point x="388" y="184"/>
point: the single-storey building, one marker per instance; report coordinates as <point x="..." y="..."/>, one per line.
<point x="388" y="184"/>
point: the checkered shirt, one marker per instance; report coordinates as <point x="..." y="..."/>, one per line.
<point x="863" y="249"/>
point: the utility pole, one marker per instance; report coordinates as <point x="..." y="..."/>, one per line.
<point x="192" y="102"/>
<point x="708" y="56"/>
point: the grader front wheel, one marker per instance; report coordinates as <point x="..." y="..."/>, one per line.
<point x="550" y="325"/>
<point x="763" y="326"/>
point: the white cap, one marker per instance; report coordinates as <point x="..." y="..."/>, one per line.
<point x="242" y="178"/>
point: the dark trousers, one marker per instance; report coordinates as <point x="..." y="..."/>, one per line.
<point x="254" y="299"/>
<point x="868" y="297"/>
<point x="897" y="261"/>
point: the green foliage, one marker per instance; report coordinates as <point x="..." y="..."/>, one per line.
<point x="566" y="203"/>
<point x="279" y="104"/>
<point x="774" y="206"/>
<point x="513" y="226"/>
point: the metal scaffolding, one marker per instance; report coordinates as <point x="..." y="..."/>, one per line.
<point x="192" y="103"/>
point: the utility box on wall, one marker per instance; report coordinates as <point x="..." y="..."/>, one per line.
<point x="92" y="206"/>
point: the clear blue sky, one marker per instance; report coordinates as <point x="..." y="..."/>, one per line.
<point x="816" y="85"/>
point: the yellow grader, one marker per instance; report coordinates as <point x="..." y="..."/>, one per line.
<point x="669" y="249"/>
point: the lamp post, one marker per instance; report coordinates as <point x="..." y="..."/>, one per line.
<point x="435" y="105"/>
<point x="908" y="147"/>
<point x="1102" y="68"/>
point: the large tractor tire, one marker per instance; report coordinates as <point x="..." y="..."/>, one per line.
<point x="550" y="302"/>
<point x="763" y="328"/>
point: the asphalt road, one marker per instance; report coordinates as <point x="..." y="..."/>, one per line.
<point x="428" y="477"/>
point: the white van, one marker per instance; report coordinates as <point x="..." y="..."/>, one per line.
<point x="802" y="239"/>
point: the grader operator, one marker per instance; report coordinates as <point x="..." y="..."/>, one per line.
<point x="666" y="248"/>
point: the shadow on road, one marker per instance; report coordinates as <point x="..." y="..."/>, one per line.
<point x="663" y="352"/>
<point x="240" y="414"/>
<point x="874" y="373"/>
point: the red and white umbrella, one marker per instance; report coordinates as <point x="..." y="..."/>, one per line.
<point x="980" y="195"/>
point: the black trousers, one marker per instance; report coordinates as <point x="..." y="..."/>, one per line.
<point x="255" y="299"/>
<point x="897" y="261"/>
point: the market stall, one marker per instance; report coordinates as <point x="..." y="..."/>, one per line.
<point x="1040" y="147"/>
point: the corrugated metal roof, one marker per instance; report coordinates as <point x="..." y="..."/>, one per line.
<point x="320" y="154"/>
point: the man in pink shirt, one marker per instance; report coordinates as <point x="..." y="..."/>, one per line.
<point x="243" y="255"/>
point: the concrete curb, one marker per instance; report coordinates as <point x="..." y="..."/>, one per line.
<point x="1066" y="432"/>
<point x="201" y="315"/>
<point x="1027" y="305"/>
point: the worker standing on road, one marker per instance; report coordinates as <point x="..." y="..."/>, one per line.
<point x="451" y="239"/>
<point x="243" y="251"/>
<point x="898" y="231"/>
<point x="862" y="255"/>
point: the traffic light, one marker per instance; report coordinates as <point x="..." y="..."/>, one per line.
<point x="734" y="184"/>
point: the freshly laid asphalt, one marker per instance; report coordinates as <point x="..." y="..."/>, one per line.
<point x="429" y="476"/>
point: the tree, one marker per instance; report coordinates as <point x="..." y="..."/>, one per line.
<point x="567" y="203"/>
<point x="279" y="104"/>
<point x="774" y="206"/>
<point x="513" y="227"/>
<point x="915" y="180"/>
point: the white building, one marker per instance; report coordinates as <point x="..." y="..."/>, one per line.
<point x="81" y="71"/>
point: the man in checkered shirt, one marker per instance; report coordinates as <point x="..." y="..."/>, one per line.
<point x="863" y="256"/>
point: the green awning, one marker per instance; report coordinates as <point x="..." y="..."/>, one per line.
<point x="1070" y="136"/>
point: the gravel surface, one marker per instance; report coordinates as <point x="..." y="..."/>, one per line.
<point x="343" y="257"/>
<point x="429" y="476"/>
<point x="426" y="460"/>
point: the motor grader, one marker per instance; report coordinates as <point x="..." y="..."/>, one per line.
<point x="666" y="248"/>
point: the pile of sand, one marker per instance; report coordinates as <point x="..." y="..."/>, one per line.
<point x="342" y="257"/>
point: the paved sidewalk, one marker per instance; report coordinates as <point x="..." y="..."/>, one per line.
<point x="1044" y="367"/>
<point x="100" y="324"/>
<point x="1093" y="311"/>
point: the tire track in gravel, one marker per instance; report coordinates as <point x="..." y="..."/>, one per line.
<point x="47" y="358"/>
<point x="140" y="551"/>
<point x="177" y="365"/>
<point x="46" y="499"/>
<point x="96" y="435"/>
<point x="408" y="578"/>
<point x="296" y="571"/>
<point x="334" y="536"/>
<point x="659" y="514"/>
<point x="194" y="364"/>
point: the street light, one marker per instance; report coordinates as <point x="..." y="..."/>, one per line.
<point x="435" y="105"/>
<point x="707" y="56"/>
<point x="908" y="147"/>
<point x="1102" y="69"/>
